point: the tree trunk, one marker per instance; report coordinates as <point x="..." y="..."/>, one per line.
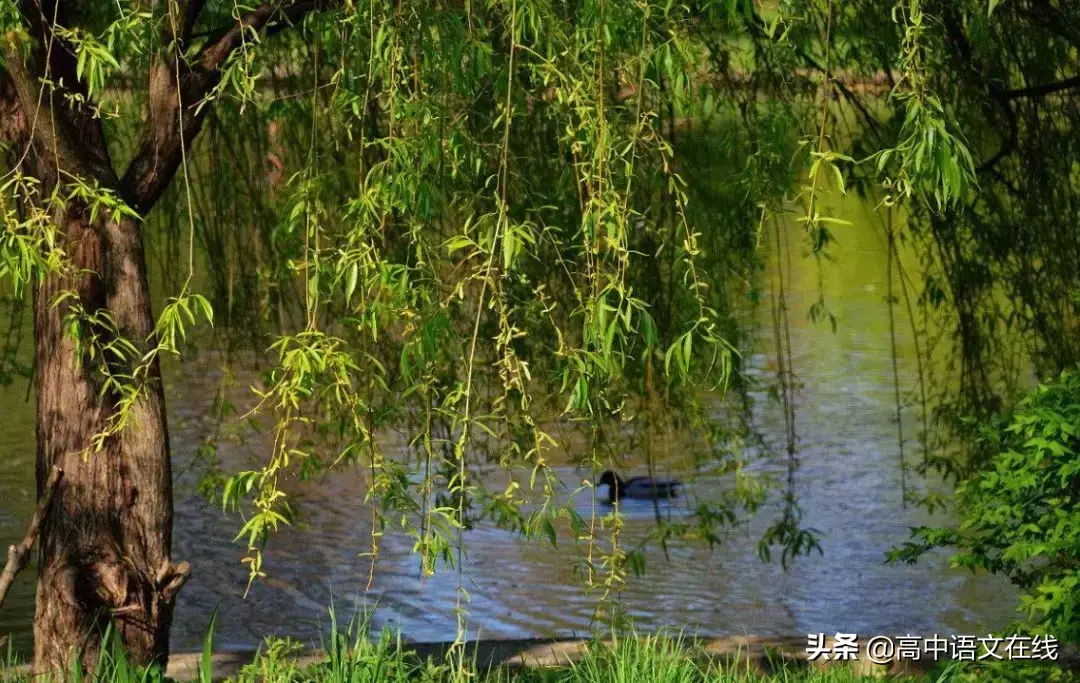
<point x="105" y="541"/>
<point x="105" y="544"/>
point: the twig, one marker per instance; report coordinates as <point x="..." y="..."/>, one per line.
<point x="19" y="555"/>
<point x="1039" y="90"/>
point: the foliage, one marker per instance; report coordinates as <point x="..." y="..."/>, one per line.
<point x="984" y="132"/>
<point x="934" y="162"/>
<point x="1021" y="510"/>
<point x="484" y="223"/>
<point x="484" y="227"/>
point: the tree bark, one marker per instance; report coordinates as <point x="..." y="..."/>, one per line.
<point x="106" y="541"/>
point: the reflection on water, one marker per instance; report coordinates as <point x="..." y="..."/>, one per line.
<point x="848" y="485"/>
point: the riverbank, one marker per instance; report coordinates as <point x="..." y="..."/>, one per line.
<point x="352" y="657"/>
<point x="747" y="659"/>
<point x="752" y="654"/>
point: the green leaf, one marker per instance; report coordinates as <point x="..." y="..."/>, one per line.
<point x="350" y="282"/>
<point x="549" y="529"/>
<point x="206" y="660"/>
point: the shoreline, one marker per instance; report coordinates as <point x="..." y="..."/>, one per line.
<point x="756" y="653"/>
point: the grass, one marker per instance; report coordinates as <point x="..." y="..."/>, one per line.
<point x="353" y="657"/>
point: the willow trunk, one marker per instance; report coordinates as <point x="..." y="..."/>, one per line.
<point x="105" y="542"/>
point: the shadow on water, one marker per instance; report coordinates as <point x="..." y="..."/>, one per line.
<point x="848" y="485"/>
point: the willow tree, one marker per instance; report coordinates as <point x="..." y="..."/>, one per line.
<point x="75" y="236"/>
<point x="461" y="218"/>
<point x="102" y="103"/>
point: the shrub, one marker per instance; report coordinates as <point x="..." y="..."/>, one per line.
<point x="1020" y="511"/>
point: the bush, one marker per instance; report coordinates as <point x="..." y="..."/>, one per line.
<point x="1020" y="511"/>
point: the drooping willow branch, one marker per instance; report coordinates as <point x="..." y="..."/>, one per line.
<point x="174" y="81"/>
<point x="890" y="301"/>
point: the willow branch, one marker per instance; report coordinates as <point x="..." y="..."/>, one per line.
<point x="1040" y="90"/>
<point x="177" y="94"/>
<point x="55" y="103"/>
<point x="1010" y="144"/>
<point x="19" y="555"/>
<point x="50" y="122"/>
<point x="757" y="33"/>
<point x="271" y="17"/>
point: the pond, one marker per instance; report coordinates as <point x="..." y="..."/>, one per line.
<point x="848" y="485"/>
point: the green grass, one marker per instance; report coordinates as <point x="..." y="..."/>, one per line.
<point x="650" y="659"/>
<point x="353" y="657"/>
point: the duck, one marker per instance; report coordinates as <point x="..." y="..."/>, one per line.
<point x="638" y="488"/>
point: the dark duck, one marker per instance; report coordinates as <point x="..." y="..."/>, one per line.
<point x="638" y="488"/>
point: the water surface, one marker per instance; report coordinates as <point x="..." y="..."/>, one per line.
<point x="848" y="484"/>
